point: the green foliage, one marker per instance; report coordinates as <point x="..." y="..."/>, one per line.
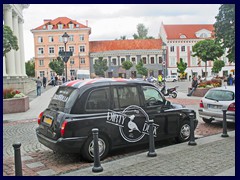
<point x="225" y="29"/>
<point x="127" y="65"/>
<point x="140" y="69"/>
<point x="207" y="50"/>
<point x="142" y="32"/>
<point x="57" y="65"/>
<point x="100" y="66"/>
<point x="30" y="68"/>
<point x="182" y="66"/>
<point x="10" y="93"/>
<point x="9" y="40"/>
<point x="217" y="66"/>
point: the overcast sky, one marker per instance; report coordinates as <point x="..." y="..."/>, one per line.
<point x="110" y="21"/>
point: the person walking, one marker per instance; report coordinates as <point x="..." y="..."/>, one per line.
<point x="159" y="79"/>
<point x="44" y="82"/>
<point x="39" y="85"/>
<point x="194" y="85"/>
<point x="230" y="80"/>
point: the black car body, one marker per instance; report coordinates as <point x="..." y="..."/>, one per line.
<point x="119" y="108"/>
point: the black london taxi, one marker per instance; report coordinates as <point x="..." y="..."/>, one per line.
<point x="119" y="108"/>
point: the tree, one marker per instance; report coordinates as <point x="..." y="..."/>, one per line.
<point x="9" y="40"/>
<point x="217" y="66"/>
<point x="225" y="29"/>
<point x="207" y="50"/>
<point x="140" y="69"/>
<point x="182" y="66"/>
<point x="127" y="65"/>
<point x="57" y="65"/>
<point x="123" y="37"/>
<point x="100" y="66"/>
<point x="142" y="32"/>
<point x="30" y="68"/>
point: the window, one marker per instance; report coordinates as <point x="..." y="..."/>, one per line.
<point x="71" y="26"/>
<point x="133" y="59"/>
<point x="183" y="48"/>
<point x="81" y="48"/>
<point x="61" y="49"/>
<point x="203" y="35"/>
<point x="81" y="37"/>
<point x="152" y="60"/>
<point x="71" y="48"/>
<point x="172" y="61"/>
<point x="41" y="73"/>
<point x="40" y="39"/>
<point x="183" y="36"/>
<point x="82" y="60"/>
<point x="51" y="50"/>
<point x="124" y="96"/>
<point x="72" y="73"/>
<point x="71" y="61"/>
<point x="41" y="62"/>
<point x="50" y="38"/>
<point x="144" y="60"/>
<point x="194" y="61"/>
<point x="122" y="60"/>
<point x="50" y="27"/>
<point x="40" y="51"/>
<point x="98" y="100"/>
<point x="152" y="96"/>
<point x="160" y="60"/>
<point x="60" y="39"/>
<point x="70" y="38"/>
<point x="172" y="49"/>
<point x="114" y="61"/>
<point x="60" y="26"/>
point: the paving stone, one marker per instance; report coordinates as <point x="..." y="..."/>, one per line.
<point x="48" y="172"/>
<point x="25" y="158"/>
<point x="34" y="165"/>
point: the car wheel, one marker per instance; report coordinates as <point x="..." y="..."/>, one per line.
<point x="174" y="95"/>
<point x="208" y="121"/>
<point x="184" y="132"/>
<point x="174" y="80"/>
<point x="88" y="148"/>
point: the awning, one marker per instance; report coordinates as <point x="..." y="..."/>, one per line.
<point x="232" y="70"/>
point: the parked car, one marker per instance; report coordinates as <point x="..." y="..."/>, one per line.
<point x="216" y="100"/>
<point x="171" y="78"/>
<point x="119" y="108"/>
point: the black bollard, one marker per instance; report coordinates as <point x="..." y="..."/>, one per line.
<point x="192" y="136"/>
<point x="151" y="152"/>
<point x="224" y="134"/>
<point x="17" y="158"/>
<point x="97" y="166"/>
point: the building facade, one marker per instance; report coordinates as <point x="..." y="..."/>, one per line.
<point x="180" y="39"/>
<point x="48" y="42"/>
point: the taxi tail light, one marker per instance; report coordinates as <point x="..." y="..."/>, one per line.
<point x="231" y="107"/>
<point x="40" y="117"/>
<point x="64" y="124"/>
<point x="201" y="104"/>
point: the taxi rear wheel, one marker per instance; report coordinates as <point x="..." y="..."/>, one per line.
<point x="88" y="148"/>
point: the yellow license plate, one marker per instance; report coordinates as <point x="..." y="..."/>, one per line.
<point x="47" y="120"/>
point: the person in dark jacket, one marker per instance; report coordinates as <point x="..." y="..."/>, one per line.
<point x="194" y="85"/>
<point x="230" y="80"/>
<point x="44" y="82"/>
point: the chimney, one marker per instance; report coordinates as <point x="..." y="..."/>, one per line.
<point x="87" y="23"/>
<point x="46" y="20"/>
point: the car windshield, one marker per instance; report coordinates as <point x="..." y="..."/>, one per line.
<point x="220" y="95"/>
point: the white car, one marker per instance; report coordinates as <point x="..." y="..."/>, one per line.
<point x="171" y="78"/>
<point x="216" y="100"/>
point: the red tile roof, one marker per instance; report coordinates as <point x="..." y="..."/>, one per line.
<point x="100" y="46"/>
<point x="189" y="30"/>
<point x="62" y="20"/>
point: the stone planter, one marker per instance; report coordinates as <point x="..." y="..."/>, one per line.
<point x="199" y="92"/>
<point x="15" y="105"/>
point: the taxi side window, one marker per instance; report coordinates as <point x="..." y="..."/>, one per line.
<point x="124" y="96"/>
<point x="152" y="96"/>
<point x="98" y="100"/>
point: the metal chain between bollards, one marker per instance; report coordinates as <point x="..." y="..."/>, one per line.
<point x="192" y="136"/>
<point x="17" y="159"/>
<point x="224" y="134"/>
<point x="151" y="152"/>
<point x="97" y="165"/>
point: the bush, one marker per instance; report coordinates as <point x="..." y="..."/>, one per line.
<point x="210" y="84"/>
<point x="10" y="93"/>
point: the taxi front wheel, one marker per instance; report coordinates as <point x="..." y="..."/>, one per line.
<point x="88" y="148"/>
<point x="184" y="132"/>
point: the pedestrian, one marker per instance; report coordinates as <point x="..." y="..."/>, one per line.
<point x="44" y="82"/>
<point x="72" y="78"/>
<point x="63" y="79"/>
<point x="190" y="77"/>
<point x="53" y="80"/>
<point x="159" y="79"/>
<point x="39" y="85"/>
<point x="194" y="85"/>
<point x="230" y="80"/>
<point x="56" y="80"/>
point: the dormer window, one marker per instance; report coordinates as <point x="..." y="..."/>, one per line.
<point x="50" y="27"/>
<point x="60" y="26"/>
<point x="182" y="36"/>
<point x="44" y="27"/>
<point x="203" y="35"/>
<point x="71" y="26"/>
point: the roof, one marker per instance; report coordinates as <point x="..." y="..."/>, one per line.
<point x="189" y="30"/>
<point x="80" y="83"/>
<point x="134" y="44"/>
<point x="60" y="20"/>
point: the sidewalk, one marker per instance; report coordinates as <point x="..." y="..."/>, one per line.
<point x="37" y="105"/>
<point x="212" y="156"/>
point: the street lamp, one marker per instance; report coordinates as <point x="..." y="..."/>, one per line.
<point x="65" y="37"/>
<point x="164" y="48"/>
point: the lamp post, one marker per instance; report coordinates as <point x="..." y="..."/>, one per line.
<point x="65" y="37"/>
<point x="164" y="59"/>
